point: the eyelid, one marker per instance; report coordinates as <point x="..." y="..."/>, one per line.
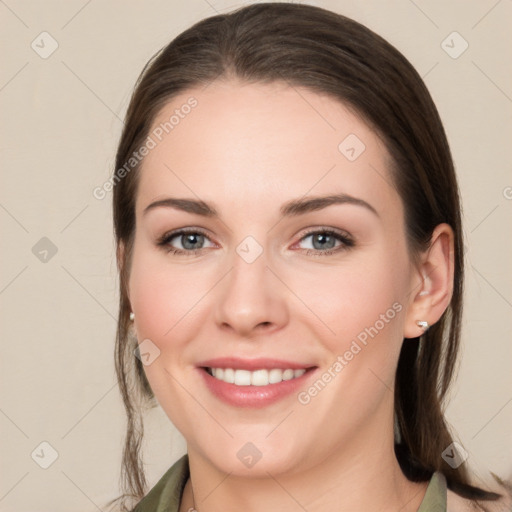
<point x="169" y="235"/>
<point x="326" y="229"/>
<point x="346" y="240"/>
<point x="344" y="237"/>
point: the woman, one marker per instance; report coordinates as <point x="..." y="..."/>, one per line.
<point x="290" y="249"/>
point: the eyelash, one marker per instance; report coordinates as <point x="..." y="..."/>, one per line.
<point x="347" y="241"/>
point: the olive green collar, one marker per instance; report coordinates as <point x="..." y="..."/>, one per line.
<point x="166" y="495"/>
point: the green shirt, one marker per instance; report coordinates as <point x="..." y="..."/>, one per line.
<point x="165" y="496"/>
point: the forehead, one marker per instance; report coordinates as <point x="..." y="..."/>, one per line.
<point x="263" y="142"/>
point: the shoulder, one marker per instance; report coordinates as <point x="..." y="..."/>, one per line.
<point x="456" y="503"/>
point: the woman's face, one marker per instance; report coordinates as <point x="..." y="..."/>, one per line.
<point x="266" y="285"/>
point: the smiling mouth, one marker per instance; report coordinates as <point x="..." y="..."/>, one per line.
<point x="261" y="377"/>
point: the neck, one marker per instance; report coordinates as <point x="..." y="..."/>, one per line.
<point x="363" y="475"/>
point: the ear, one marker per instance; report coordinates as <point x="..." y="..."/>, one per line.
<point x="432" y="282"/>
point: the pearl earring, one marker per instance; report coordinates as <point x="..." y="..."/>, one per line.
<point x="132" y="316"/>
<point x="423" y="324"/>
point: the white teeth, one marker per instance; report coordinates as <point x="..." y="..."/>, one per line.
<point x="275" y="375"/>
<point x="242" y="378"/>
<point x="257" y="378"/>
<point x="229" y="375"/>
<point x="288" y="374"/>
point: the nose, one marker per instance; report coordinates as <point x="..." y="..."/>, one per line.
<point x="252" y="299"/>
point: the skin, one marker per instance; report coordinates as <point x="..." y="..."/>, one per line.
<point x="249" y="148"/>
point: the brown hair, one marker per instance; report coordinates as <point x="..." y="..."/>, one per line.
<point x="330" y="54"/>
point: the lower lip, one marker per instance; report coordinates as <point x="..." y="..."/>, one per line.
<point x="253" y="396"/>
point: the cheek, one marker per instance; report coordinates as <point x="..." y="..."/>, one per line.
<point x="350" y="298"/>
<point x="362" y="304"/>
<point x="365" y="313"/>
<point x="166" y="301"/>
<point x="164" y="298"/>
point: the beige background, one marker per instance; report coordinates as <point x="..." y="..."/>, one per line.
<point x="61" y="119"/>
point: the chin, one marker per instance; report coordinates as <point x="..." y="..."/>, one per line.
<point x="254" y="460"/>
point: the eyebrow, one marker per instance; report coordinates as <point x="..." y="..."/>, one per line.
<point x="291" y="208"/>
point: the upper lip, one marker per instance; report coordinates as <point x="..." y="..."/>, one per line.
<point x="252" y="364"/>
